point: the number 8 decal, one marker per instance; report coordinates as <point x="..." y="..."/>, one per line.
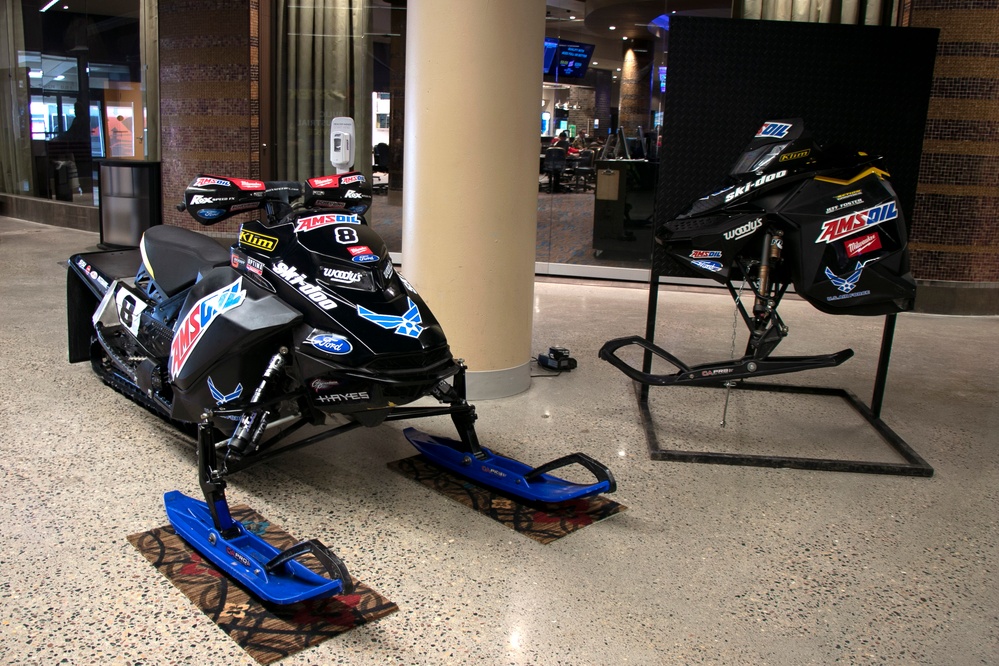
<point x="346" y="235"/>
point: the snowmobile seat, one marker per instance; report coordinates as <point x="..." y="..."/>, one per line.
<point x="174" y="256"/>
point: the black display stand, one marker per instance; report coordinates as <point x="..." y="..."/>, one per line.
<point x="725" y="78"/>
<point x="914" y="465"/>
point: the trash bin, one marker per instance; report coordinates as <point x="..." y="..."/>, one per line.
<point x="130" y="201"/>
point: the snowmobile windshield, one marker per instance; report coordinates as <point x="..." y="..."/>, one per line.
<point x="757" y="159"/>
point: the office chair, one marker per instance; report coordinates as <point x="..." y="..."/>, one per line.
<point x="554" y="166"/>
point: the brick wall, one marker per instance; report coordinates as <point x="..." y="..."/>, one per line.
<point x="209" y="108"/>
<point x="955" y="225"/>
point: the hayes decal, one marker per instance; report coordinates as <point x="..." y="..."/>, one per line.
<point x="841" y="227"/>
<point x="863" y="245"/>
<point x="762" y="180"/>
<point x="774" y="130"/>
<point x="311" y="291"/>
<point x="343" y="397"/>
<point x="192" y="327"/>
<point x="259" y="241"/>
<point x="317" y="221"/>
<point x="744" y="230"/>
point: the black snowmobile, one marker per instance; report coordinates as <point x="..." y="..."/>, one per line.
<point x="791" y="212"/>
<point x="303" y="321"/>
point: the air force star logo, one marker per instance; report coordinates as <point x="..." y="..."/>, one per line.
<point x="220" y="397"/>
<point x="408" y="324"/>
<point x="845" y="284"/>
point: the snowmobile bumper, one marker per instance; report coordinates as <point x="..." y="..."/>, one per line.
<point x="271" y="574"/>
<point x="713" y="374"/>
<point x="512" y="477"/>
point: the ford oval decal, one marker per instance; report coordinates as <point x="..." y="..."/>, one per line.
<point x="331" y="344"/>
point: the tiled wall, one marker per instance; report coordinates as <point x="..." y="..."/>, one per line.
<point x="209" y="113"/>
<point x="955" y="225"/>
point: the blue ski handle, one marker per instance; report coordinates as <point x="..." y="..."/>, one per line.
<point x="334" y="565"/>
<point x="607" y="353"/>
<point x="602" y="473"/>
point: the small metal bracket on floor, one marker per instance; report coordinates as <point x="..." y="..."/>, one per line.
<point x="914" y="465"/>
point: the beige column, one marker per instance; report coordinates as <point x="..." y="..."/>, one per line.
<point x="473" y="85"/>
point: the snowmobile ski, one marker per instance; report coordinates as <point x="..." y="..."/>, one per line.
<point x="714" y="374"/>
<point x="271" y="574"/>
<point x="533" y="484"/>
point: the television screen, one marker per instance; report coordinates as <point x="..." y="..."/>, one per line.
<point x="571" y="59"/>
<point x="550" y="45"/>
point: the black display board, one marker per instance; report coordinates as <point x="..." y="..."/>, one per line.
<point x="866" y="87"/>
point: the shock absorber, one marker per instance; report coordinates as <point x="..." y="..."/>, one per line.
<point x="773" y="243"/>
<point x="251" y="427"/>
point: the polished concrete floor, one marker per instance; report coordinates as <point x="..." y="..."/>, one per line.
<point x="710" y="564"/>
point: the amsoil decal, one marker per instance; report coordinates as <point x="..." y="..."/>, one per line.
<point x="347" y="180"/>
<point x="259" y="241"/>
<point x="311" y="291"/>
<point x="744" y="230"/>
<point x="192" y="327"/>
<point x="774" y="130"/>
<point x="706" y="254"/>
<point x="762" y="180"/>
<point x="201" y="182"/>
<point x="863" y="245"/>
<point x="317" y="221"/>
<point x="841" y="227"/>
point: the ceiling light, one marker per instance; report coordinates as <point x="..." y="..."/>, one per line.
<point x="572" y="18"/>
<point x="594" y="63"/>
<point x="619" y="69"/>
<point x="48" y="6"/>
<point x="610" y="27"/>
<point x="625" y="38"/>
<point x="34" y="73"/>
<point x="60" y="78"/>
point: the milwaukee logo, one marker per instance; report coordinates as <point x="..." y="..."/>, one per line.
<point x="841" y="227"/>
<point x="863" y="245"/>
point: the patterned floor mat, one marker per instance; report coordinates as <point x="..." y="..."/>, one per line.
<point x="265" y="631"/>
<point x="542" y="522"/>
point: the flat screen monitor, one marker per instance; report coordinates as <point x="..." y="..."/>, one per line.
<point x="571" y="59"/>
<point x="551" y="45"/>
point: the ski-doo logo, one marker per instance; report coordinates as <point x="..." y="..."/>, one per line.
<point x="192" y="327"/>
<point x="201" y="199"/>
<point x="796" y="155"/>
<point x="330" y="343"/>
<point x="841" y="227"/>
<point x="744" y="230"/>
<point x="706" y="254"/>
<point x="774" y="130"/>
<point x="201" y="182"/>
<point x="342" y="276"/>
<point x="317" y="221"/>
<point x="746" y="187"/>
<point x="863" y="245"/>
<point x="408" y="324"/>
<point x="847" y="284"/>
<point x="713" y="266"/>
<point x="313" y="292"/>
<point x="259" y="241"/>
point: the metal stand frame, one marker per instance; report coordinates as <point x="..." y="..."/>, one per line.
<point x="915" y="465"/>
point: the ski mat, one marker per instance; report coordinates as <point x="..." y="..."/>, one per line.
<point x="544" y="523"/>
<point x="266" y="632"/>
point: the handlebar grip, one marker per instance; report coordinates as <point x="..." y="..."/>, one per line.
<point x="181" y="207"/>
